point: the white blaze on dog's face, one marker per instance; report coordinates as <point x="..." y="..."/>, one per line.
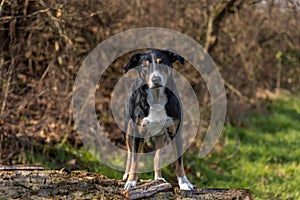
<point x="156" y="70"/>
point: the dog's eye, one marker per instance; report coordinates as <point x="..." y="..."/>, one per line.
<point x="158" y="60"/>
<point x="146" y="63"/>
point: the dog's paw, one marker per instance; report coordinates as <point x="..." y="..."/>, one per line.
<point x="125" y="176"/>
<point x="145" y="122"/>
<point x="184" y="183"/>
<point x="130" y="184"/>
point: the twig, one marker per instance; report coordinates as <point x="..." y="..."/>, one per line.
<point x="1" y="5"/>
<point x="57" y="25"/>
<point x="237" y="92"/>
<point x="7" y="86"/>
<point x="12" y="63"/>
<point x="23" y="16"/>
<point x="25" y="8"/>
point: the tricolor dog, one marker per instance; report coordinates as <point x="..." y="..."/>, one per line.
<point x="153" y="110"/>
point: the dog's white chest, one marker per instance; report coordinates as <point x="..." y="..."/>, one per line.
<point x="157" y="113"/>
<point x="157" y="121"/>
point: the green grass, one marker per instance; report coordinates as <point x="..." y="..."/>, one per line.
<point x="263" y="156"/>
<point x="70" y="158"/>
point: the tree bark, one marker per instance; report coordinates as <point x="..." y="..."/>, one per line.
<point x="34" y="183"/>
<point x="217" y="14"/>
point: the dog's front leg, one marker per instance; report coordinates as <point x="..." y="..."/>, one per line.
<point x="137" y="145"/>
<point x="183" y="182"/>
<point x="159" y="143"/>
<point x="133" y="173"/>
<point x="129" y="143"/>
<point x="129" y="146"/>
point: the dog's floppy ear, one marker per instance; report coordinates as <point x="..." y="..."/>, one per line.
<point x="173" y="55"/>
<point x="133" y="62"/>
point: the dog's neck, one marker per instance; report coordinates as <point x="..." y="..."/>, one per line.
<point x="156" y="96"/>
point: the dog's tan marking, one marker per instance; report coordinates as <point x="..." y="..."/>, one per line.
<point x="159" y="143"/>
<point x="142" y="129"/>
<point x="177" y="146"/>
<point x="133" y="175"/>
<point x="147" y="78"/>
<point x="129" y="145"/>
<point x="179" y="169"/>
<point x="173" y="129"/>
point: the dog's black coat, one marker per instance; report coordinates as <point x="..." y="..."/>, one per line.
<point x="137" y="106"/>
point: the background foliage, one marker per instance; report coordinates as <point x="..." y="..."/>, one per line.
<point x="255" y="44"/>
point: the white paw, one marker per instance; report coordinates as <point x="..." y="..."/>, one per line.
<point x="125" y="176"/>
<point x="130" y="184"/>
<point x="145" y="122"/>
<point x="184" y="183"/>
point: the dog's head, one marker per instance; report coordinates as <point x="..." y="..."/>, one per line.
<point x="154" y="66"/>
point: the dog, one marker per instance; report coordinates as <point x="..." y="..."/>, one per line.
<point x="152" y="109"/>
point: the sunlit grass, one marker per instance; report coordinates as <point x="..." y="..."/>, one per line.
<point x="264" y="156"/>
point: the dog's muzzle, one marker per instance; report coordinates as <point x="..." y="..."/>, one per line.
<point x="156" y="80"/>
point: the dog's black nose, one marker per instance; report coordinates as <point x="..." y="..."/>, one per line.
<point x="156" y="79"/>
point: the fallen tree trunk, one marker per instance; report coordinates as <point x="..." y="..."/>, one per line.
<point x="30" y="182"/>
